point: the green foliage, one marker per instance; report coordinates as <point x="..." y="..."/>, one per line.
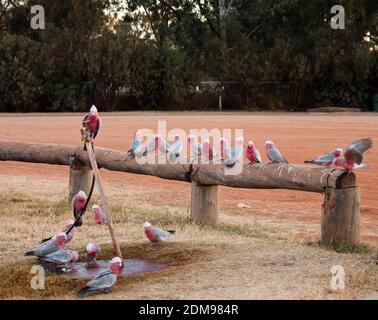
<point x="281" y="54"/>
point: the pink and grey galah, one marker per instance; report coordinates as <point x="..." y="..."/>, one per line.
<point x="224" y="149"/>
<point x="93" y="251"/>
<point x="207" y="150"/>
<point x="353" y="155"/>
<point x="67" y="226"/>
<point x="61" y="257"/>
<point x="326" y="159"/>
<point x="236" y="153"/>
<point x="99" y="216"/>
<point x="154" y="145"/>
<point x="93" y="122"/>
<point x="195" y="146"/>
<point x="155" y="234"/>
<point x="78" y="205"/>
<point x="273" y="153"/>
<point x="175" y="149"/>
<point x="104" y="280"/>
<point x="54" y="244"/>
<point x="252" y="153"/>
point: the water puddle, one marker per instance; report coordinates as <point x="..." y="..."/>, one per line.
<point x="83" y="269"/>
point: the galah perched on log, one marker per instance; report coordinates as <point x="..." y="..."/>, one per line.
<point x="93" y="122"/>
<point x="61" y="257"/>
<point x="207" y="150"/>
<point x="273" y="153"/>
<point x="154" y="145"/>
<point x="252" y="153"/>
<point x="93" y="251"/>
<point x="78" y="206"/>
<point x="155" y="234"/>
<point x="54" y="244"/>
<point x="175" y="149"/>
<point x="104" y="280"/>
<point x="326" y="159"/>
<point x="236" y="153"/>
<point x="135" y="143"/>
<point x="225" y="151"/>
<point x="99" y="216"/>
<point x="195" y="146"/>
<point x="353" y="155"/>
<point x="68" y="225"/>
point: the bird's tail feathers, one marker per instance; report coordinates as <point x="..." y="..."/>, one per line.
<point x="84" y="291"/>
<point x="171" y="231"/>
<point x="29" y="253"/>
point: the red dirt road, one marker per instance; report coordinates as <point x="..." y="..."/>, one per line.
<point x="298" y="136"/>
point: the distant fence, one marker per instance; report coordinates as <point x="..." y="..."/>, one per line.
<point x="340" y="209"/>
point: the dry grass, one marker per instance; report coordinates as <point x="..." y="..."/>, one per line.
<point x="242" y="257"/>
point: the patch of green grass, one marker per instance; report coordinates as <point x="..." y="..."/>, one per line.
<point x="361" y="248"/>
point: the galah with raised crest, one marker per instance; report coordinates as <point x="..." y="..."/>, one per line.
<point x="54" y="244"/>
<point x="93" y="122"/>
<point x="195" y="146"/>
<point x="175" y="149"/>
<point x="236" y="153"/>
<point x="326" y="159"/>
<point x="252" y="153"/>
<point x="99" y="216"/>
<point x="273" y="153"/>
<point x="61" y="257"/>
<point x="155" y="234"/>
<point x="93" y="251"/>
<point x="104" y="280"/>
<point x="353" y="155"/>
<point x="78" y="205"/>
<point x="135" y="143"/>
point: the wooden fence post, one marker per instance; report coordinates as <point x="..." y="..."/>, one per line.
<point x="204" y="204"/>
<point x="340" y="216"/>
<point x="80" y="178"/>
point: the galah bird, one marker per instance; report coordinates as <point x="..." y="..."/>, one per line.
<point x="78" y="205"/>
<point x="54" y="244"/>
<point x="155" y="234"/>
<point x="99" y="216"/>
<point x="207" y="150"/>
<point x="195" y="147"/>
<point x="93" y="251"/>
<point x="62" y="257"/>
<point x="93" y="122"/>
<point x="153" y="146"/>
<point x="353" y="155"/>
<point x="134" y="144"/>
<point x="70" y="234"/>
<point x="326" y="159"/>
<point x="104" y="280"/>
<point x="252" y="153"/>
<point x="273" y="153"/>
<point x="175" y="149"/>
<point x="235" y="154"/>
<point x="225" y="151"/>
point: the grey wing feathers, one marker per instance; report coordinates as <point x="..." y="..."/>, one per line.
<point x="325" y="158"/>
<point x="60" y="256"/>
<point x="102" y="280"/>
<point x="355" y="150"/>
<point x="258" y="156"/>
<point x="161" y="233"/>
<point x="276" y="156"/>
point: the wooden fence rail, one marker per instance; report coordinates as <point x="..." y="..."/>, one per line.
<point x="340" y="210"/>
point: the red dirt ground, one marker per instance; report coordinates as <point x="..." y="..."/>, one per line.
<point x="298" y="136"/>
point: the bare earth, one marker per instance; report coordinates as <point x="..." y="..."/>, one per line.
<point x="279" y="264"/>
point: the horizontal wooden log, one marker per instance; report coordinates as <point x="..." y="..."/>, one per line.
<point x="267" y="176"/>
